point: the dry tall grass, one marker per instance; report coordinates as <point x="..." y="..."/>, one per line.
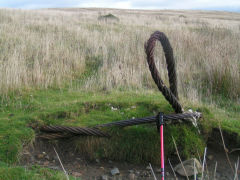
<point x="53" y="47"/>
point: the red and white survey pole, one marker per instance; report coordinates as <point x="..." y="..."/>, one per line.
<point x="160" y="123"/>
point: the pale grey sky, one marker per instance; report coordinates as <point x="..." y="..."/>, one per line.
<point x="227" y="5"/>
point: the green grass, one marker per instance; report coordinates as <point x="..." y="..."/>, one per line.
<point x="225" y="112"/>
<point x="74" y="108"/>
<point x="134" y="144"/>
<point x="33" y="173"/>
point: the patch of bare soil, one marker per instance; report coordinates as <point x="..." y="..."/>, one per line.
<point x="42" y="153"/>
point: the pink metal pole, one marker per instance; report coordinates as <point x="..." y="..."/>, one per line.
<point x="162" y="151"/>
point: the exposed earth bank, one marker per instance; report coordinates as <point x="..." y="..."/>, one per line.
<point x="42" y="153"/>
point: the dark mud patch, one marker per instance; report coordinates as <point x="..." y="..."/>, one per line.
<point x="231" y="140"/>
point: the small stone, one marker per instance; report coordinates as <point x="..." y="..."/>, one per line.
<point x="115" y="171"/>
<point x="167" y="173"/>
<point x="189" y="167"/>
<point x="104" y="177"/>
<point x="137" y="173"/>
<point x="102" y="168"/>
<point x="47" y="157"/>
<point x="130" y="171"/>
<point x="110" y="162"/>
<point x="44" y="153"/>
<point x="148" y="168"/>
<point x="158" y="171"/>
<point x="97" y="161"/>
<point x="131" y="176"/>
<point x="76" y="174"/>
<point x="210" y="157"/>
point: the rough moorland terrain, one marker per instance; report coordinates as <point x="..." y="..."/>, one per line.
<point x="67" y="67"/>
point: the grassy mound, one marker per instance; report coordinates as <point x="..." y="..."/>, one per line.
<point x="141" y="144"/>
<point x="73" y="108"/>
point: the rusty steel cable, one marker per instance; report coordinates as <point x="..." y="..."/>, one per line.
<point x="152" y="119"/>
<point x="74" y="130"/>
<point x="170" y="94"/>
<point x="57" y="132"/>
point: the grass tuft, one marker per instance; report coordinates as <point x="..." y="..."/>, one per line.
<point x="33" y="173"/>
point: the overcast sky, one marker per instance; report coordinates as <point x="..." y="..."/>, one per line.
<point x="226" y="5"/>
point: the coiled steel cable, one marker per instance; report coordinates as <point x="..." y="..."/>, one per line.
<point x="172" y="94"/>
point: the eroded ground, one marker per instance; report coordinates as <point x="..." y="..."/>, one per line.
<point x="42" y="153"/>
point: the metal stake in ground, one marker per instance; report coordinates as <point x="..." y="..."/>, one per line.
<point x="160" y="123"/>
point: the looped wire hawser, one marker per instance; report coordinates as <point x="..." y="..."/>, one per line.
<point x="172" y="94"/>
